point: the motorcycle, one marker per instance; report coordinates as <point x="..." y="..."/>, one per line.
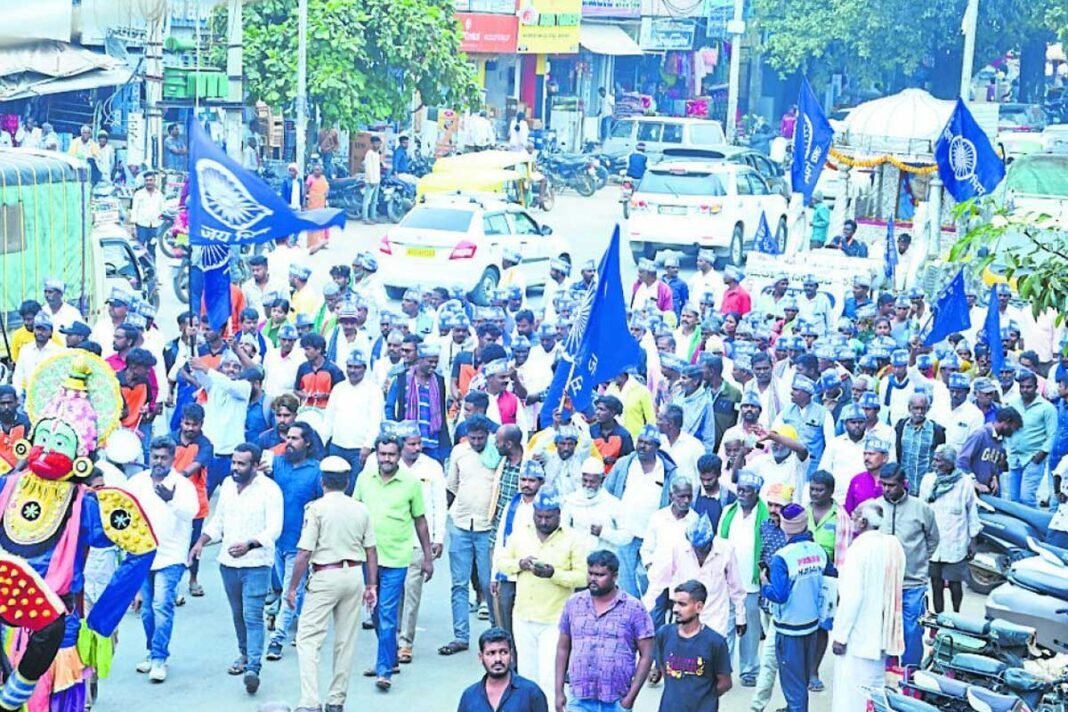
<point x="947" y="693"/>
<point x="967" y="672"/>
<point x="955" y="633"/>
<point x="347" y="193"/>
<point x="1036" y="595"/>
<point x="609" y="164"/>
<point x="576" y="172"/>
<point x="1007" y="527"/>
<point x="397" y="196"/>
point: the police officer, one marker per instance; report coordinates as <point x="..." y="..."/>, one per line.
<point x="335" y="543"/>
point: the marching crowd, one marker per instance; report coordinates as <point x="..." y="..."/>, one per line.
<point x="768" y="485"/>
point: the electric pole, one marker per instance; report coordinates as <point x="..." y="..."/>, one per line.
<point x="302" y="83"/>
<point x="736" y="28"/>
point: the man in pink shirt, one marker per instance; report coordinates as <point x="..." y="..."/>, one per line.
<point x="865" y="485"/>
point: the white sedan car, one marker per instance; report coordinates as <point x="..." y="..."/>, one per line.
<point x="690" y="205"/>
<point x="459" y="241"/>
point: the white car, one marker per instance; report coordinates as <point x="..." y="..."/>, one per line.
<point x="690" y="205"/>
<point x="459" y="241"/>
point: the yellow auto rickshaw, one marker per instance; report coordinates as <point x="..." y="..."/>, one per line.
<point x="534" y="189"/>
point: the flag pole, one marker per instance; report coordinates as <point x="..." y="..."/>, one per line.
<point x="567" y="384"/>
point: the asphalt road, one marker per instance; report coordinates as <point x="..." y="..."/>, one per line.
<point x="203" y="644"/>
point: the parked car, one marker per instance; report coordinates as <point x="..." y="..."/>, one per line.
<point x="458" y="241"/>
<point x="771" y="171"/>
<point x="1021" y="117"/>
<point x="688" y="205"/>
<point x="660" y="132"/>
<point x="1055" y="138"/>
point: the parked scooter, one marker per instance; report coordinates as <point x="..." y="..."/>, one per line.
<point x="1006" y="528"/>
<point x="1036" y="595"/>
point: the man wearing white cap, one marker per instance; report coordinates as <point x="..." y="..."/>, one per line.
<point x="707" y="279"/>
<point x="304" y="300"/>
<point x="61" y="313"/>
<point x="511" y="275"/>
<point x="354" y="413"/>
<point x="559" y="271"/>
<point x="811" y="421"/>
<point x="118" y="304"/>
<point x="735" y="299"/>
<point x="33" y="354"/>
<point x="647" y="288"/>
<point x="594" y="511"/>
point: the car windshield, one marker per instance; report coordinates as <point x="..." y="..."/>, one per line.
<point x="681" y="183"/>
<point x="1039" y="175"/>
<point x="450" y="219"/>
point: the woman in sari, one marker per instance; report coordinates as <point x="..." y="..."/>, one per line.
<point x="317" y="188"/>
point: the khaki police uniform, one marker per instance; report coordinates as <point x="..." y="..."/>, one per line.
<point x="337" y="531"/>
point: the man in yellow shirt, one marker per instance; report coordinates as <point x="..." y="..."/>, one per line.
<point x="550" y="561"/>
<point x="637" y="402"/>
<point x="304" y="301"/>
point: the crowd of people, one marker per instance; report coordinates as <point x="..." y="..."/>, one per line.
<point x="768" y="484"/>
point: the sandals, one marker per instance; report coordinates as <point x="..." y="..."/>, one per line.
<point x="196" y="590"/>
<point x="238" y="666"/>
<point x="404" y="655"/>
<point x="452" y="648"/>
<point x="383" y="684"/>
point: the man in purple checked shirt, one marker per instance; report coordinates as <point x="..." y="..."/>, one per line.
<point x="601" y="631"/>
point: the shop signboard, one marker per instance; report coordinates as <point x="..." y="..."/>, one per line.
<point x="611" y="8"/>
<point x="549" y="26"/>
<point x="674" y="8"/>
<point x="665" y="33"/>
<point x="492" y="7"/>
<point x="488" y="34"/>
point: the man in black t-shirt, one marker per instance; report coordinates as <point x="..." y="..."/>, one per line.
<point x="693" y="658"/>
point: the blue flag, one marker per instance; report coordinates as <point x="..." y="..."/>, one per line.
<point x="951" y="313"/>
<point x="209" y="284"/>
<point x="229" y="205"/>
<point x="967" y="163"/>
<point x="812" y="141"/>
<point x="599" y="346"/>
<point x="992" y="333"/>
<point x="890" y="258"/>
<point x="765" y="242"/>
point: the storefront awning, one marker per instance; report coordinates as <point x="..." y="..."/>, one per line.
<point x="607" y="39"/>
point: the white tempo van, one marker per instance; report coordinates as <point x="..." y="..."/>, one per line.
<point x="660" y="132"/>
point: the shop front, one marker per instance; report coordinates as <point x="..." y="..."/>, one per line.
<point x="546" y="27"/>
<point x="489" y="40"/>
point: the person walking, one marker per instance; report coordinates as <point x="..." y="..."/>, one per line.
<point x="913" y="522"/>
<point x="605" y="647"/>
<point x="146" y="213"/>
<point x="548" y="562"/>
<point x="694" y="659"/>
<point x="501" y="689"/>
<point x="247" y="520"/>
<point x="952" y="497"/>
<point x="337" y="544"/>
<point x="792" y="583"/>
<point x="867" y="624"/>
<point x="316" y="190"/>
<point x="1030" y="446"/>
<point x="394" y="497"/>
<point x="169" y="501"/>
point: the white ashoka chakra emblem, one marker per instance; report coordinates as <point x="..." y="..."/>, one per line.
<point x="582" y="320"/>
<point x="962" y="158"/>
<point x="225" y="197"/>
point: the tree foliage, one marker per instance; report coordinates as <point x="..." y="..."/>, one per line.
<point x="1031" y="247"/>
<point x="366" y="58"/>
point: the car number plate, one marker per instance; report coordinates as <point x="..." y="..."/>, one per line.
<point x="420" y="252"/>
<point x="672" y="210"/>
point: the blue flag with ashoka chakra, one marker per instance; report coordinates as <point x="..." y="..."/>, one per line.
<point x="812" y="141"/>
<point x="765" y="242"/>
<point x="967" y="164"/>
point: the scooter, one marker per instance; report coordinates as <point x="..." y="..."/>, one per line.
<point x="1036" y="595"/>
<point x="1003" y="540"/>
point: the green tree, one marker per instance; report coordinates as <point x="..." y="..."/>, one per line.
<point x="366" y="58"/>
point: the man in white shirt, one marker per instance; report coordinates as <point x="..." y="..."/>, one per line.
<point x="247" y="520"/>
<point x="707" y="279"/>
<point x="682" y="447"/>
<point x="169" y="501"/>
<point x="740" y="526"/>
<point x="63" y="314"/>
<point x="261" y="285"/>
<point x="964" y="417"/>
<point x="593" y="511"/>
<point x="354" y="414"/>
<point x="432" y="478"/>
<point x="844" y="456"/>
<point x="146" y="213"/>
<point x="280" y="365"/>
<point x="667" y="527"/>
<point x="372" y="172"/>
<point x="224" y="411"/>
<point x="34" y="353"/>
<point x="785" y="463"/>
<point x="606" y="112"/>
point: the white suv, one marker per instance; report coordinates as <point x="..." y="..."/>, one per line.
<point x="459" y="240"/>
<point x="690" y="205"/>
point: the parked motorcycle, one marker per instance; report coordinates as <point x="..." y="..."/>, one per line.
<point x="346" y="193"/>
<point x="1036" y="595"/>
<point x="564" y="171"/>
<point x="397" y="196"/>
<point x="955" y="633"/>
<point x="609" y="164"/>
<point x="1007" y="526"/>
<point x="947" y="693"/>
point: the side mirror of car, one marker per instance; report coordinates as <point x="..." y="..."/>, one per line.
<point x="546" y="230"/>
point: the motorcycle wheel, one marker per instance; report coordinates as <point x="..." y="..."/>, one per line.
<point x="167" y="244"/>
<point x="602" y="178"/>
<point x="982" y="581"/>
<point x="397" y="208"/>
<point x="548" y="200"/>
<point x="181" y="283"/>
<point x="584" y="185"/>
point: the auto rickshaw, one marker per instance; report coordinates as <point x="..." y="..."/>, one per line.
<point x="535" y="190"/>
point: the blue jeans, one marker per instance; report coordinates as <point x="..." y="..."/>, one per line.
<point x="370" y="201"/>
<point x="913" y="606"/>
<point x="350" y="455"/>
<point x="246" y="589"/>
<point x="1020" y="484"/>
<point x="390" y="595"/>
<point x="147" y="235"/>
<point x="748" y="644"/>
<point x="796" y="656"/>
<point x="158" y="593"/>
<point x="283" y="570"/>
<point x="632" y="577"/>
<point x="467" y="549"/>
<point x="592" y="706"/>
<point x="218" y="470"/>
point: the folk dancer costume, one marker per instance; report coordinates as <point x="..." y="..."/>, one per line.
<point x="49" y="518"/>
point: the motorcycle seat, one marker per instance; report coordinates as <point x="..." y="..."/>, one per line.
<point x="1035" y="517"/>
<point x="939" y="684"/>
<point x="900" y="703"/>
<point x="1020" y="680"/>
<point x="977" y="664"/>
<point x="982" y="698"/>
<point x="965" y="624"/>
<point x="568" y="160"/>
<point x="1011" y="634"/>
<point x="1041" y="582"/>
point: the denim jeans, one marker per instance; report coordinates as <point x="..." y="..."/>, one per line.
<point x="1030" y="480"/>
<point x="158" y="594"/>
<point x="592" y="706"/>
<point x="913" y="606"/>
<point x="467" y="549"/>
<point x="147" y="235"/>
<point x="245" y="589"/>
<point x="283" y="569"/>
<point x="350" y="455"/>
<point x="370" y="201"/>
<point x="796" y="655"/>
<point x="632" y="576"/>
<point x="748" y="644"/>
<point x="390" y="595"/>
